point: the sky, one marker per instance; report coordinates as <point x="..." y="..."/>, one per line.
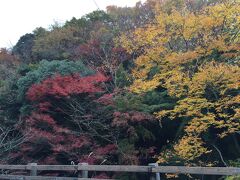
<point x="18" y="17"/>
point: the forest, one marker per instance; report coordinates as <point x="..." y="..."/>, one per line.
<point x="157" y="82"/>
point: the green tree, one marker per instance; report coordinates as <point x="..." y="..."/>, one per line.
<point x="46" y="69"/>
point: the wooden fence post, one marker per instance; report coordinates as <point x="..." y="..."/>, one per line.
<point x="33" y="169"/>
<point x="83" y="174"/>
<point x="155" y="176"/>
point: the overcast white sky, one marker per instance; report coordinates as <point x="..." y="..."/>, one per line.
<point x="18" y="17"/>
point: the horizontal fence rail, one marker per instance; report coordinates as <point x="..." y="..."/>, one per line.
<point x="83" y="168"/>
<point x="123" y="168"/>
<point x="19" y="177"/>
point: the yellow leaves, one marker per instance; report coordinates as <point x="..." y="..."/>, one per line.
<point x="206" y="23"/>
<point x="161" y="21"/>
<point x="140" y="74"/>
<point x="177" y="84"/>
<point x="124" y="42"/>
<point x="226" y="10"/>
<point x="176" y="19"/>
<point x="181" y="45"/>
<point x="237" y="113"/>
<point x="200" y="33"/>
<point x="140" y="86"/>
<point x="190" y="26"/>
<point x="144" y="61"/>
<point x="200" y="125"/>
<point x="143" y="39"/>
<point x="165" y="156"/>
<point x="191" y="107"/>
<point x="163" y="113"/>
<point x="236" y="99"/>
<point x="190" y="147"/>
<point x="144" y="66"/>
<point x="218" y="44"/>
<point x="198" y="105"/>
<point x="146" y="35"/>
<point x="216" y="79"/>
<point x="181" y="58"/>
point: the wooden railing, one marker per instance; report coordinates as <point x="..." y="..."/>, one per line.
<point x="83" y="168"/>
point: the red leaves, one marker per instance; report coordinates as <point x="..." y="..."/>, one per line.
<point x="47" y="125"/>
<point x="65" y="86"/>
<point x="44" y="106"/>
<point x="122" y="119"/>
<point x="44" y="132"/>
<point x="35" y="118"/>
<point x="102" y="55"/>
<point x="108" y="149"/>
<point x="140" y="117"/>
<point x="100" y="154"/>
<point x="89" y="50"/>
<point x="55" y="132"/>
<point x="106" y="99"/>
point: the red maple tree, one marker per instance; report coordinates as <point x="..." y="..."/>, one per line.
<point x="54" y="138"/>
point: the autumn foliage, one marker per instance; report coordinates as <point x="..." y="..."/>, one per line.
<point x="158" y="82"/>
<point x="193" y="55"/>
<point x="65" y="86"/>
<point x="52" y="140"/>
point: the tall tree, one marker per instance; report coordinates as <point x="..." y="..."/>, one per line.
<point x="194" y="55"/>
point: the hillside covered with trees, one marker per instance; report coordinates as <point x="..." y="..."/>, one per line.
<point x="158" y="82"/>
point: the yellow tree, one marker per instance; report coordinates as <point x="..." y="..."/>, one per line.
<point x="196" y="55"/>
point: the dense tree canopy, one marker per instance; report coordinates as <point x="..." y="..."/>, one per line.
<point x="194" y="55"/>
<point x="158" y="82"/>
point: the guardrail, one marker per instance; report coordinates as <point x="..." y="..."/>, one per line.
<point x="83" y="168"/>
